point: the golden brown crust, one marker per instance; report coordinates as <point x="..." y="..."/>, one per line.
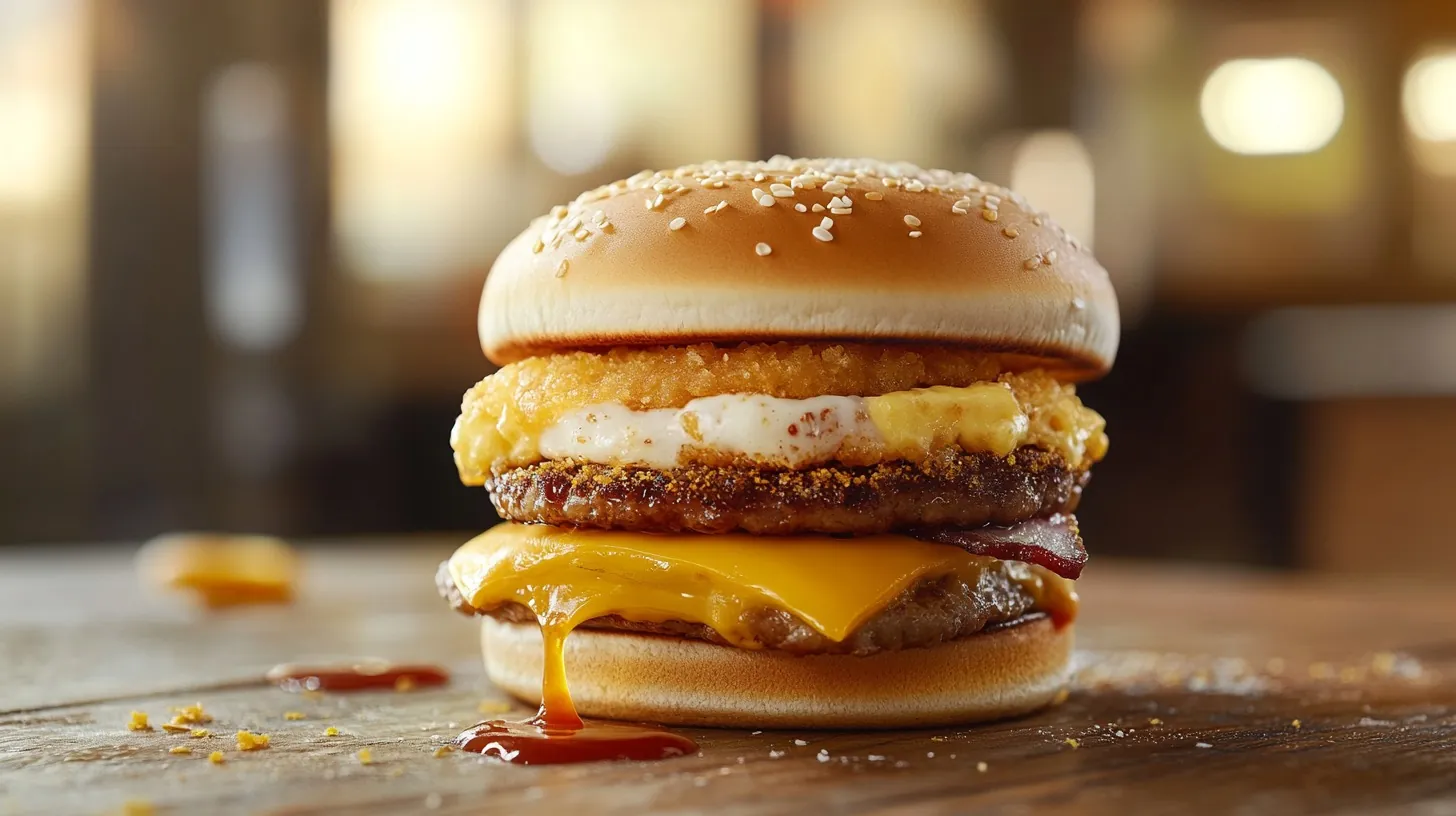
<point x="539" y="390"/>
<point x="673" y="680"/>
<point x="982" y="270"/>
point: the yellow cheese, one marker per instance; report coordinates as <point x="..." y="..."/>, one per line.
<point x="834" y="585"/>
<point x="982" y="417"/>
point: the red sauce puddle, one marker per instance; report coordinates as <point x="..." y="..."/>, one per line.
<point x="357" y="677"/>
<point x="558" y="735"/>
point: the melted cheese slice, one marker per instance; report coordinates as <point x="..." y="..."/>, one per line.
<point x="834" y="585"/>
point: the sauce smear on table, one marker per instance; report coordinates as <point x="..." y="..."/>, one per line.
<point x="371" y="676"/>
<point x="558" y="735"/>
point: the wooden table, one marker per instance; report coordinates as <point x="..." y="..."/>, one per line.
<point x="1197" y="689"/>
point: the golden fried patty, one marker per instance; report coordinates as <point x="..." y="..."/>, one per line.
<point x="953" y="489"/>
<point x="930" y="613"/>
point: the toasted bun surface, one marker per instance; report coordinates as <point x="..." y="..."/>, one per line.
<point x="986" y="270"/>
<point x="622" y="676"/>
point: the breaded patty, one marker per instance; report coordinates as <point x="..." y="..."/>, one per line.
<point x="953" y="489"/>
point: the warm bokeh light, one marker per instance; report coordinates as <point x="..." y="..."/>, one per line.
<point x="1053" y="169"/>
<point x="1430" y="97"/>
<point x="587" y="105"/>
<point x="1262" y="107"/>
<point x="420" y="109"/>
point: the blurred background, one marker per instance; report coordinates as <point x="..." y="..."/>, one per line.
<point x="242" y="241"/>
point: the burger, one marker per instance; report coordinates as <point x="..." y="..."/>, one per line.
<point x="791" y="443"/>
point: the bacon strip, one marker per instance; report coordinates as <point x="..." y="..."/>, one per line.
<point x="1053" y="542"/>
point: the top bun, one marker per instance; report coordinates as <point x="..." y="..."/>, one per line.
<point x="918" y="255"/>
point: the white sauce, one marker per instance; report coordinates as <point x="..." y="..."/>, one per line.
<point x="764" y="429"/>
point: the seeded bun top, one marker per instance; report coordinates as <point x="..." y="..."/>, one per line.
<point x="801" y="249"/>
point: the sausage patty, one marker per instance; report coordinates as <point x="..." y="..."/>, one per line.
<point x="953" y="489"/>
<point x="930" y="613"/>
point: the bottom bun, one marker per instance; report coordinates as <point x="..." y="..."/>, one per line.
<point x="626" y="676"/>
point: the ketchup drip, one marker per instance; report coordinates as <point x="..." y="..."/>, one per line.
<point x="357" y="677"/>
<point x="557" y="734"/>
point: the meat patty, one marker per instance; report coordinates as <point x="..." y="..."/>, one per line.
<point x="953" y="489"/>
<point x="930" y="613"/>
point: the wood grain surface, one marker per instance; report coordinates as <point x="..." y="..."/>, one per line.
<point x="1197" y="690"/>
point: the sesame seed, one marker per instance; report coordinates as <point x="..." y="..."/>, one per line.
<point x="841" y="210"/>
<point x="915" y="185"/>
<point x="1010" y="232"/>
<point x="890" y="182"/>
<point x="989" y="215"/>
<point x="538" y="246"/>
<point x="834" y="187"/>
<point x="781" y="190"/>
<point x="710" y="210"/>
<point x="722" y="205"/>
<point x="582" y="234"/>
<point x="757" y="193"/>
<point x="1038" y="220"/>
<point x="766" y="200"/>
<point x="662" y="186"/>
<point x="762" y="249"/>
<point x="823" y="234"/>
<point x="657" y="202"/>
<point x="1050" y="258"/>
<point x="958" y="210"/>
<point x="677" y="224"/>
<point x="558" y="212"/>
<point x="800" y="207"/>
<point x="912" y="221"/>
<point x="1032" y="263"/>
<point x="573" y="225"/>
<point x="561" y="268"/>
<point x="827" y="223"/>
<point x="874" y="196"/>
<point x="914" y="233"/>
<point x="759" y="177"/>
<point x="818" y="208"/>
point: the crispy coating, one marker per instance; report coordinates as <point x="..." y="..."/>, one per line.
<point x="932" y="612"/>
<point x="953" y="488"/>
<point x="503" y="409"/>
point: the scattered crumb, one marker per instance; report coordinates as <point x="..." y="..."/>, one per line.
<point x="294" y="715"/>
<point x="755" y="733"/>
<point x="939" y="738"/>
<point x="191" y="715"/>
<point x="1119" y="734"/>
<point x="776" y="754"/>
<point x="174" y="728"/>
<point x="876" y="758"/>
<point x="823" y="755"/>
<point x="1201" y="745"/>
<point x="180" y="750"/>
<point x="138" y="722"/>
<point x="216" y="758"/>
<point x="137" y="807"/>
<point x="930" y="755"/>
<point x="982" y="767"/>
<point x="366" y="757"/>
<point x="404" y="683"/>
<point x="801" y="742"/>
<point x="444" y="750"/>
<point x="1073" y="743"/>
<point x="1297" y="725"/>
<point x="331" y="731"/>
<point x="493" y="707"/>
<point x="248" y="741"/>
<point x="1154" y="721"/>
<point x="200" y="733"/>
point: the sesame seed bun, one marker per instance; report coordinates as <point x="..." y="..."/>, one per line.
<point x="919" y="255"/>
<point x="624" y="676"/>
